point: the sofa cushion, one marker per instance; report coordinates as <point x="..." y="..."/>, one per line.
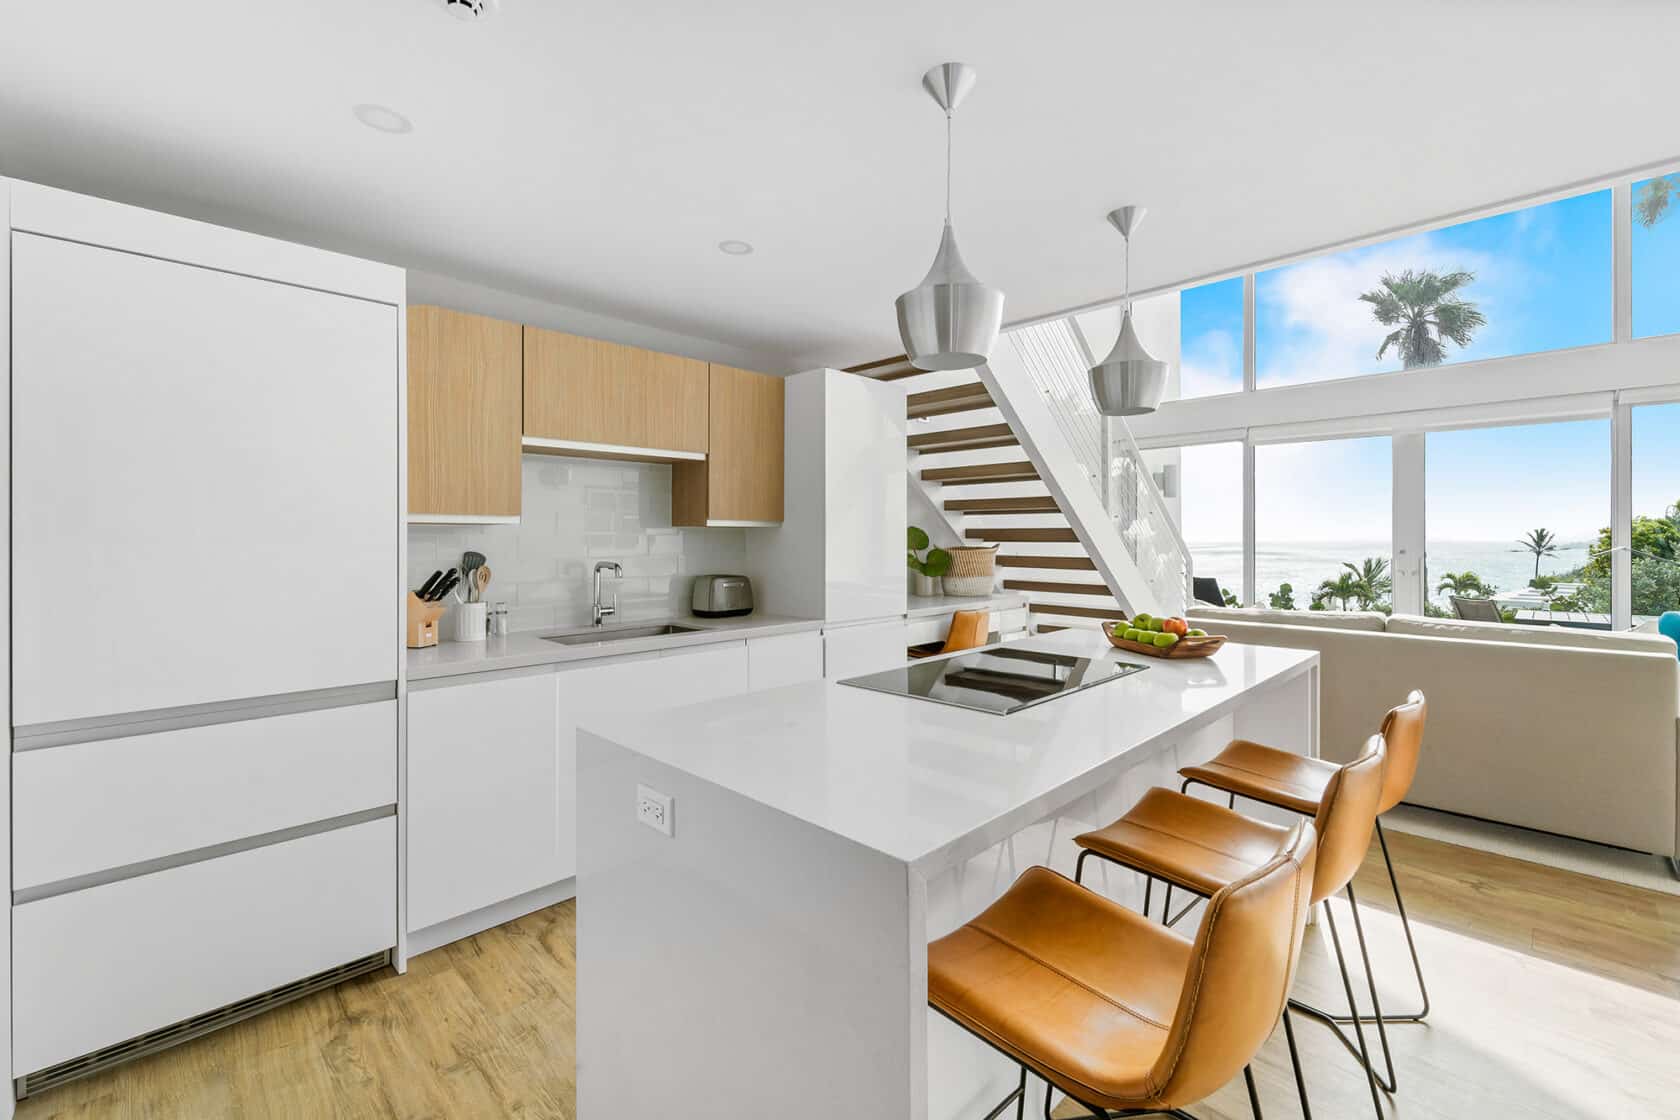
<point x="1325" y="620"/>
<point x="1528" y="635"/>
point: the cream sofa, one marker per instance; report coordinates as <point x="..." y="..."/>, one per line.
<point x="1568" y="731"/>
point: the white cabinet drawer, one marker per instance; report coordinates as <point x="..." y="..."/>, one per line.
<point x="784" y="659"/>
<point x="483" y="785"/>
<point x="919" y="630"/>
<point x="98" y="966"/>
<point x="693" y="676"/>
<point x="91" y="806"/>
<point x="851" y="651"/>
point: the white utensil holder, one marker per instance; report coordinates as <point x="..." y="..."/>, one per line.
<point x="469" y="622"/>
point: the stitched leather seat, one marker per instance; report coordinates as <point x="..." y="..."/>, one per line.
<point x="1292" y="781"/>
<point x="1115" y="1010"/>
<point x="1186" y="841"/>
<point x="1201" y="846"/>
<point x="1266" y="774"/>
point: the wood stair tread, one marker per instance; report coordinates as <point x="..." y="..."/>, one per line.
<point x="942" y="402"/>
<point x="1036" y="607"/>
<point x="1042" y="503"/>
<point x="964" y="439"/>
<point x="1006" y="533"/>
<point x="1055" y="588"/>
<point x="888" y="369"/>
<point x="1063" y="563"/>
<point x="982" y="472"/>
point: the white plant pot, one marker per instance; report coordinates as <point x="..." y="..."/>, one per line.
<point x="924" y="586"/>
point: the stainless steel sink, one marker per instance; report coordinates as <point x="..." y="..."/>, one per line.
<point x="619" y="634"/>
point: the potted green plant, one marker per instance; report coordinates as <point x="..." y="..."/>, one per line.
<point x="926" y="569"/>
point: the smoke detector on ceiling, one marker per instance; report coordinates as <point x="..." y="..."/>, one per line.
<point x="469" y="10"/>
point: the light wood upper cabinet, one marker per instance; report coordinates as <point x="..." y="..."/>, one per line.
<point x="463" y="414"/>
<point x="741" y="479"/>
<point x="585" y="391"/>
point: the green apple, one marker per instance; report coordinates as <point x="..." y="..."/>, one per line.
<point x="1133" y="635"/>
<point x="1156" y="625"/>
<point x="1165" y="641"/>
<point x="1141" y="621"/>
<point x="1197" y="634"/>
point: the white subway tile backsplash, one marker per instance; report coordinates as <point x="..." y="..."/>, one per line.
<point x="575" y="512"/>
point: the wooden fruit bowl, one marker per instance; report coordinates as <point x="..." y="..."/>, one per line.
<point x="1182" y="650"/>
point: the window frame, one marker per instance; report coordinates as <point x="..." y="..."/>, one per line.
<point x="1593" y="381"/>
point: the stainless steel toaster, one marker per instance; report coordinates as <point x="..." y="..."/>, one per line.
<point x="722" y="596"/>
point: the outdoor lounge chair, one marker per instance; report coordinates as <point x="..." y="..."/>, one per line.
<point x="1476" y="610"/>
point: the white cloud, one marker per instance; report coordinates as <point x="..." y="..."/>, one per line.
<point x="1328" y="332"/>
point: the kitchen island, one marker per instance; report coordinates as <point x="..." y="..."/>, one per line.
<point x="769" y="955"/>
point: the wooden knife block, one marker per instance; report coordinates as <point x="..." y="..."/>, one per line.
<point x="422" y="622"/>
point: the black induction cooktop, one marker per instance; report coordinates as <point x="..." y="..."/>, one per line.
<point x="1000" y="681"/>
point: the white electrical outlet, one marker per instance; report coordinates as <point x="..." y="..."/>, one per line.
<point x="654" y="809"/>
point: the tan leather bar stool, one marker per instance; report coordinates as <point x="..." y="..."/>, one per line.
<point x="1126" y="1017"/>
<point x="1289" y="781"/>
<point x="1201" y="847"/>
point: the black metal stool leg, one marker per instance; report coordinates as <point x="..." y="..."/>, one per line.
<point x="1295" y="1060"/>
<point x="1393" y="1082"/>
<point x="1411" y="945"/>
<point x="1018" y="1098"/>
<point x="1253" y="1093"/>
<point x="1362" y="1054"/>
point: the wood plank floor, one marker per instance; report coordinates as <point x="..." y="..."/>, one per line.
<point x="1556" y="995"/>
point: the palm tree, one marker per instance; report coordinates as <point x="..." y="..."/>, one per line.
<point x="1541" y="542"/>
<point x="1655" y="201"/>
<point x="1371" y="579"/>
<point x="1344" y="588"/>
<point x="1424" y="311"/>
<point x="1466" y="585"/>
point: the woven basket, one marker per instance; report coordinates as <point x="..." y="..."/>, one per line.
<point x="973" y="570"/>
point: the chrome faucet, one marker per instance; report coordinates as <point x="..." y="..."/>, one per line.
<point x="601" y="611"/>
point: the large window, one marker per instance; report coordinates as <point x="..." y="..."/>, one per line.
<point x="1517" y="283"/>
<point x="1656" y="256"/>
<point x="1209" y="498"/>
<point x="1655" y="537"/>
<point x="1211" y="339"/>
<point x="1323" y="523"/>
<point x="1513" y="513"/>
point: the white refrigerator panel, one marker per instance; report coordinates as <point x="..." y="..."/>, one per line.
<point x="205" y="484"/>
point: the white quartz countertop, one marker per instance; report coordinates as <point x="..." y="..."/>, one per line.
<point x="520" y="650"/>
<point x="929" y="784"/>
<point x="516" y="651"/>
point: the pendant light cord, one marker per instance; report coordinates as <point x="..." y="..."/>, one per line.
<point x="1126" y="294"/>
<point x="947" y="167"/>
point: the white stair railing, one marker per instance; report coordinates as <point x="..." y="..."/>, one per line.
<point x="1102" y="481"/>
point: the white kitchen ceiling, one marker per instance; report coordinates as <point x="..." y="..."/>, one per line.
<point x="596" y="154"/>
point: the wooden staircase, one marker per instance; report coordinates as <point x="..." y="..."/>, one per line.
<point x="968" y="459"/>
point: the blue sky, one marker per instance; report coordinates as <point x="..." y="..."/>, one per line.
<point x="1543" y="279"/>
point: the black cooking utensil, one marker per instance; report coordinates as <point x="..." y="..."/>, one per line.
<point x="426" y="588"/>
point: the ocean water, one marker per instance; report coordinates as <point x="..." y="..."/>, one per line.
<point x="1306" y="564"/>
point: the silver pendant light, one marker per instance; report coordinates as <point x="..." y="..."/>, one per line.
<point x="950" y="320"/>
<point x="1129" y="382"/>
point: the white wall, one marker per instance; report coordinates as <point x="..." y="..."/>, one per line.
<point x="575" y="512"/>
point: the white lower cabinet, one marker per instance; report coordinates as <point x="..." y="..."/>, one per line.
<point x="868" y="648"/>
<point x="492" y="770"/>
<point x="784" y="659"/>
<point x="103" y="964"/>
<point x="484" y="824"/>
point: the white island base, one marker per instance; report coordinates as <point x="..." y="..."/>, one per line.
<point x="770" y="957"/>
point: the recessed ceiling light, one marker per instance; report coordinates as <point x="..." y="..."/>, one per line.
<point x="382" y="119"/>
<point x="735" y="248"/>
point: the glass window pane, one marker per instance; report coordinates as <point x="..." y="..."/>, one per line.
<point x="1656" y="510"/>
<point x="1511" y="508"/>
<point x="1210" y="339"/>
<point x="1656" y="256"/>
<point x="1323" y="524"/>
<point x="1531" y="280"/>
<point x="1207" y="499"/>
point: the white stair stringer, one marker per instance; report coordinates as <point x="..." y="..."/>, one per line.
<point x="1045" y="446"/>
